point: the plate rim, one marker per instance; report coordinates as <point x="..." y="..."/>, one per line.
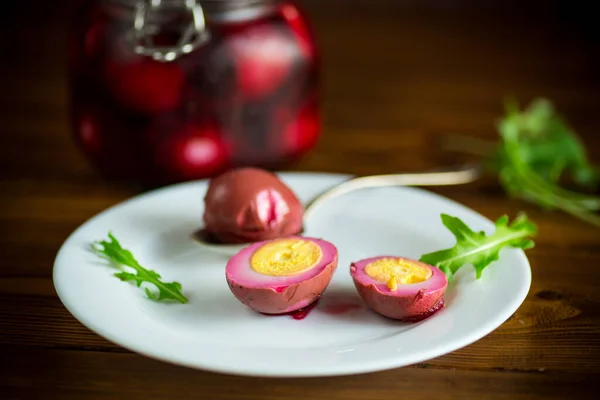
<point x="328" y="371"/>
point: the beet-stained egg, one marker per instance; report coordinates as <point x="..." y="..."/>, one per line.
<point x="399" y="288"/>
<point x="282" y="275"/>
<point x="245" y="205"/>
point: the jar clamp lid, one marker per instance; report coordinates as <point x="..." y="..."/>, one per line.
<point x="192" y="36"/>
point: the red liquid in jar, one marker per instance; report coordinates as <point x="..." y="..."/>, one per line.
<point x="246" y="97"/>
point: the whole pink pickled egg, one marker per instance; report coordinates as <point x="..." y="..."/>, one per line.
<point x="297" y="20"/>
<point x="145" y="85"/>
<point x="400" y="288"/>
<point x="190" y="151"/>
<point x="282" y="275"/>
<point x="301" y="131"/>
<point x="263" y="56"/>
<point x="249" y="204"/>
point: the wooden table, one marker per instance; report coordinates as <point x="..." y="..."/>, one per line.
<point x="396" y="75"/>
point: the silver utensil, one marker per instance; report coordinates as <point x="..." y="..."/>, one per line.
<point x="466" y="174"/>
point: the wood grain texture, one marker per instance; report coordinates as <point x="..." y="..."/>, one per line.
<point x="67" y="375"/>
<point x="397" y="76"/>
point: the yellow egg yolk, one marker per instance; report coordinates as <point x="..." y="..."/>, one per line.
<point x="395" y="271"/>
<point x="285" y="257"/>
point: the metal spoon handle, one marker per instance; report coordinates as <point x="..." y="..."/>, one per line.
<point x="441" y="178"/>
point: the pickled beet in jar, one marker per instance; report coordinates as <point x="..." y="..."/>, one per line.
<point x="171" y="90"/>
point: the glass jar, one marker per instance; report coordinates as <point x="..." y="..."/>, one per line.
<point x="175" y="90"/>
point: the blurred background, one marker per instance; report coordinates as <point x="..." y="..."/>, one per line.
<point x="391" y="75"/>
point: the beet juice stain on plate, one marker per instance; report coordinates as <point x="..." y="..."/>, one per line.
<point x="297" y="314"/>
<point x="340" y="308"/>
<point x="331" y="309"/>
<point x="303" y="312"/>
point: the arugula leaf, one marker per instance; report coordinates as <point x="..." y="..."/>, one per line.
<point x="521" y="180"/>
<point x="112" y="251"/>
<point x="547" y="144"/>
<point x="477" y="248"/>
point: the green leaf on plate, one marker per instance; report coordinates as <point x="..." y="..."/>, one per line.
<point x="113" y="251"/>
<point x="477" y="248"/>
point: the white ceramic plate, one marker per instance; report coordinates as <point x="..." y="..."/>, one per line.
<point x="213" y="331"/>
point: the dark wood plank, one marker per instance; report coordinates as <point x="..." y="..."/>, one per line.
<point x="74" y="375"/>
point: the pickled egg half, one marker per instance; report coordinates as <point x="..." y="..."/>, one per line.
<point x="399" y="288"/>
<point x="282" y="275"/>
